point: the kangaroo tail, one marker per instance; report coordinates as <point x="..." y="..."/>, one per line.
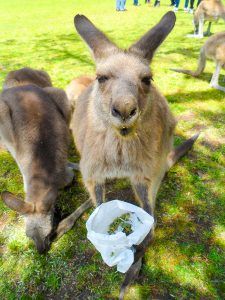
<point x="201" y="65"/>
<point x="181" y="150"/>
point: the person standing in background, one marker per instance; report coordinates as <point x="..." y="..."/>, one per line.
<point x="186" y="9"/>
<point x="176" y="6"/>
<point x="157" y="3"/>
<point x="191" y="9"/>
<point x="120" y="5"/>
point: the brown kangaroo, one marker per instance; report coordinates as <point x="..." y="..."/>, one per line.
<point x="214" y="48"/>
<point x="208" y="10"/>
<point x="34" y="120"/>
<point x="122" y="125"/>
<point x="76" y="87"/>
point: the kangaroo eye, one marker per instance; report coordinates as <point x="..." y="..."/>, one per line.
<point x="146" y="80"/>
<point x="102" y="79"/>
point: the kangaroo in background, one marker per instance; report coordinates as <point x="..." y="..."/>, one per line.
<point x="76" y="87"/>
<point x="122" y="125"/>
<point x="208" y="10"/>
<point x="214" y="48"/>
<point x="34" y="120"/>
<point x="27" y="76"/>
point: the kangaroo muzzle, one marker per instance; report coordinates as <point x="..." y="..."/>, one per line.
<point x="42" y="245"/>
<point x="124" y="115"/>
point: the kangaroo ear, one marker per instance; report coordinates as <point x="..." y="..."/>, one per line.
<point x="100" y="45"/>
<point x="17" y="204"/>
<point x="147" y="45"/>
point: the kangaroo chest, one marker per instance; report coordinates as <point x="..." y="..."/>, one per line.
<point x="110" y="156"/>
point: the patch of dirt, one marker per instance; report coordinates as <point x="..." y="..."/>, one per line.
<point x="213" y="142"/>
<point x="201" y="222"/>
<point x="199" y="127"/>
<point x="123" y="194"/>
<point x="188" y="116"/>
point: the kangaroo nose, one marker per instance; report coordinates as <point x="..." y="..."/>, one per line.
<point x="41" y="248"/>
<point x="42" y="245"/>
<point x="125" y="113"/>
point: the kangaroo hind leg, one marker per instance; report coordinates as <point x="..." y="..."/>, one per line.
<point x="96" y="191"/>
<point x="215" y="79"/>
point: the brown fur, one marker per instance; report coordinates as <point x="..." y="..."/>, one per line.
<point x="76" y="87"/>
<point x="105" y="153"/>
<point x="117" y="156"/>
<point x="122" y="125"/>
<point x="33" y="126"/>
<point x="27" y="76"/>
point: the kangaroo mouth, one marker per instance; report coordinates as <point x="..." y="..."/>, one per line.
<point x="124" y="131"/>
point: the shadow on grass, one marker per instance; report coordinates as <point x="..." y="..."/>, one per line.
<point x="192" y="52"/>
<point x="60" y="48"/>
<point x="53" y="49"/>
<point x="182" y="97"/>
<point x="203" y="77"/>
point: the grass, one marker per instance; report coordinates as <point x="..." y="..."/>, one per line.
<point x="186" y="260"/>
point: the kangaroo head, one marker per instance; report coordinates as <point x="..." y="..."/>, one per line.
<point x="38" y="216"/>
<point x="123" y="82"/>
<point x="27" y="76"/>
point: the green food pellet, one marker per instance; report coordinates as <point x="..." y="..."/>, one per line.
<point x="123" y="222"/>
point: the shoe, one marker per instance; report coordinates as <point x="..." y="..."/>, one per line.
<point x="175" y="9"/>
<point x="191" y="11"/>
<point x="186" y="9"/>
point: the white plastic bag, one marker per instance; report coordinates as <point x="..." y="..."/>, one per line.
<point x="116" y="249"/>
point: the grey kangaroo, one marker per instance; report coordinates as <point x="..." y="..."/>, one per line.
<point x="34" y="120"/>
<point x="122" y="125"/>
<point x="214" y="48"/>
<point x="208" y="10"/>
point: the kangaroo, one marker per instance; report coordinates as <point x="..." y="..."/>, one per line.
<point x="214" y="48"/>
<point x="26" y="76"/>
<point x="34" y="120"/>
<point x="76" y="87"/>
<point x="122" y="125"/>
<point x="208" y="10"/>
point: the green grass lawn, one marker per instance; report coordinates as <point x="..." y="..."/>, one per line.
<point x="186" y="260"/>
